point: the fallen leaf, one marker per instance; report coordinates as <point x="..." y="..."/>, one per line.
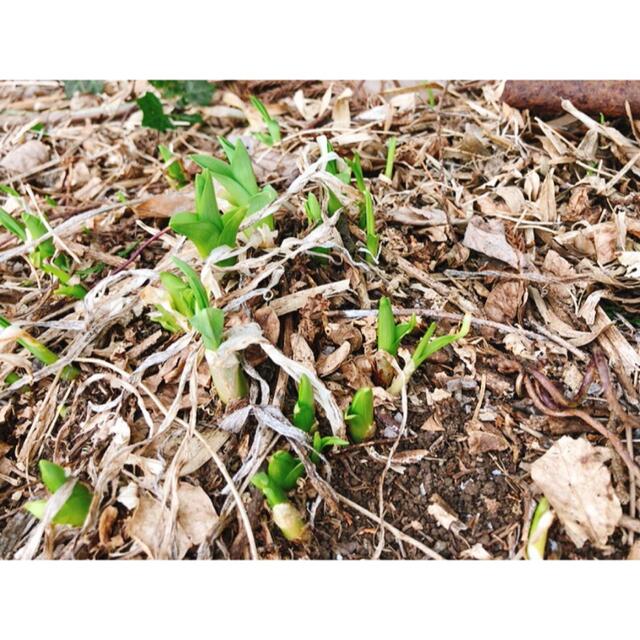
<point x="148" y="524"/>
<point x="432" y="424"/>
<point x="444" y="515"/>
<point x="327" y="364"/>
<point x="26" y="157"/>
<point x="634" y="552"/>
<point x="477" y="552"/>
<point x="302" y="352"/>
<point x="197" y="453"/>
<point x="166" y="204"/>
<point x="105" y="524"/>
<point x="488" y="237"/>
<point x="573" y="477"/>
<point x="196" y="514"/>
<point x="482" y="441"/>
<point x="504" y="300"/>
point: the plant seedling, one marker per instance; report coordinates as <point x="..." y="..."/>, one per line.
<point x="238" y="180"/>
<point x="343" y="175"/>
<point x="172" y="168"/>
<point x="540" y="524"/>
<point x="391" y="155"/>
<point x="39" y="351"/>
<point x="390" y="335"/>
<point x="285" y="470"/>
<point x="314" y="215"/>
<point x="207" y="228"/>
<point x="359" y="416"/>
<point x="74" y="511"/>
<point x="189" y="303"/>
<point x="304" y="411"/>
<point x="372" y="238"/>
<point x="273" y="136"/>
<point x="320" y="443"/>
<point x="32" y="228"/>
<point x="153" y="115"/>
<point x="285" y="515"/>
<point x="427" y="346"/>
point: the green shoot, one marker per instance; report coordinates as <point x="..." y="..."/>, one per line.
<point x="427" y="346"/>
<point x="343" y="175"/>
<point x="238" y="180"/>
<point x="313" y="210"/>
<point x="431" y="98"/>
<point x="391" y="334"/>
<point x="359" y="416"/>
<point x="74" y="511"/>
<point x="274" y="136"/>
<point x="391" y="155"/>
<point x="304" y="411"/>
<point x="320" y="443"/>
<point x="207" y="228"/>
<point x="285" y="470"/>
<point x="372" y="238"/>
<point x="356" y="168"/>
<point x="189" y="300"/>
<point x="32" y="228"/>
<point x="173" y="168"/>
<point x="39" y="351"/>
<point x="286" y="517"/>
<point x="540" y="524"/>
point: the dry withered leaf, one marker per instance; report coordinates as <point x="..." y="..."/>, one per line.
<point x="504" y="300"/>
<point x="107" y="519"/>
<point x="481" y="441"/>
<point x="196" y="514"/>
<point x="573" y="477"/>
<point x="327" y="364"/>
<point x="444" y="515"/>
<point x="488" y="237"/>
<point x="26" y="157"/>
<point x="302" y="352"/>
<point x="166" y="204"/>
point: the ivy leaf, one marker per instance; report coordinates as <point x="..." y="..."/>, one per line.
<point x="187" y="91"/>
<point x="153" y="115"/>
<point x="71" y="87"/>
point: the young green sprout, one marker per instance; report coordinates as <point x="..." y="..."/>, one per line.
<point x="172" y="168"/>
<point x="359" y="416"/>
<point x="273" y="136"/>
<point x="372" y="238"/>
<point x="188" y="303"/>
<point x="343" y="175"/>
<point x="314" y="216"/>
<point x="31" y="228"/>
<point x="304" y="411"/>
<point x="207" y="228"/>
<point x="390" y="335"/>
<point x="427" y="346"/>
<point x="285" y="470"/>
<point x="74" y="511"/>
<point x="391" y="155"/>
<point x="238" y="180"/>
<point x="285" y="515"/>
<point x="540" y="524"/>
<point x="38" y="351"/>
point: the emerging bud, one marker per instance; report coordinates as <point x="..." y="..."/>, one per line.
<point x="288" y="519"/>
<point x="359" y="416"/>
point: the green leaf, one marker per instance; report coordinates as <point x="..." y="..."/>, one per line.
<point x="76" y="291"/>
<point x="180" y="294"/>
<point x="386" y="329"/>
<point x="209" y="323"/>
<point x="206" y="203"/>
<point x="200" y="295"/>
<point x="359" y="415"/>
<point x="53" y="475"/>
<point x="10" y="191"/>
<point x="356" y="167"/>
<point x="153" y="115"/>
<point x="74" y="511"/>
<point x="231" y="222"/>
<point x="166" y="320"/>
<point x="35" y="229"/>
<point x="204" y="235"/>
<point x="71" y="87"/>
<point x="428" y="345"/>
<point x="304" y="413"/>
<point x="272" y="492"/>
<point x="12" y="225"/>
<point x="91" y="270"/>
<point x="173" y="168"/>
<point x="274" y="136"/>
<point x="242" y="169"/>
<point x="197" y="92"/>
<point x="313" y="210"/>
<point x="391" y="154"/>
<point x="285" y="470"/>
<point x="215" y="165"/>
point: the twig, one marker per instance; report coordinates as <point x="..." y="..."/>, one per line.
<point x="139" y="250"/>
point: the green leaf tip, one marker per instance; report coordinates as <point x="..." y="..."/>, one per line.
<point x="359" y="415"/>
